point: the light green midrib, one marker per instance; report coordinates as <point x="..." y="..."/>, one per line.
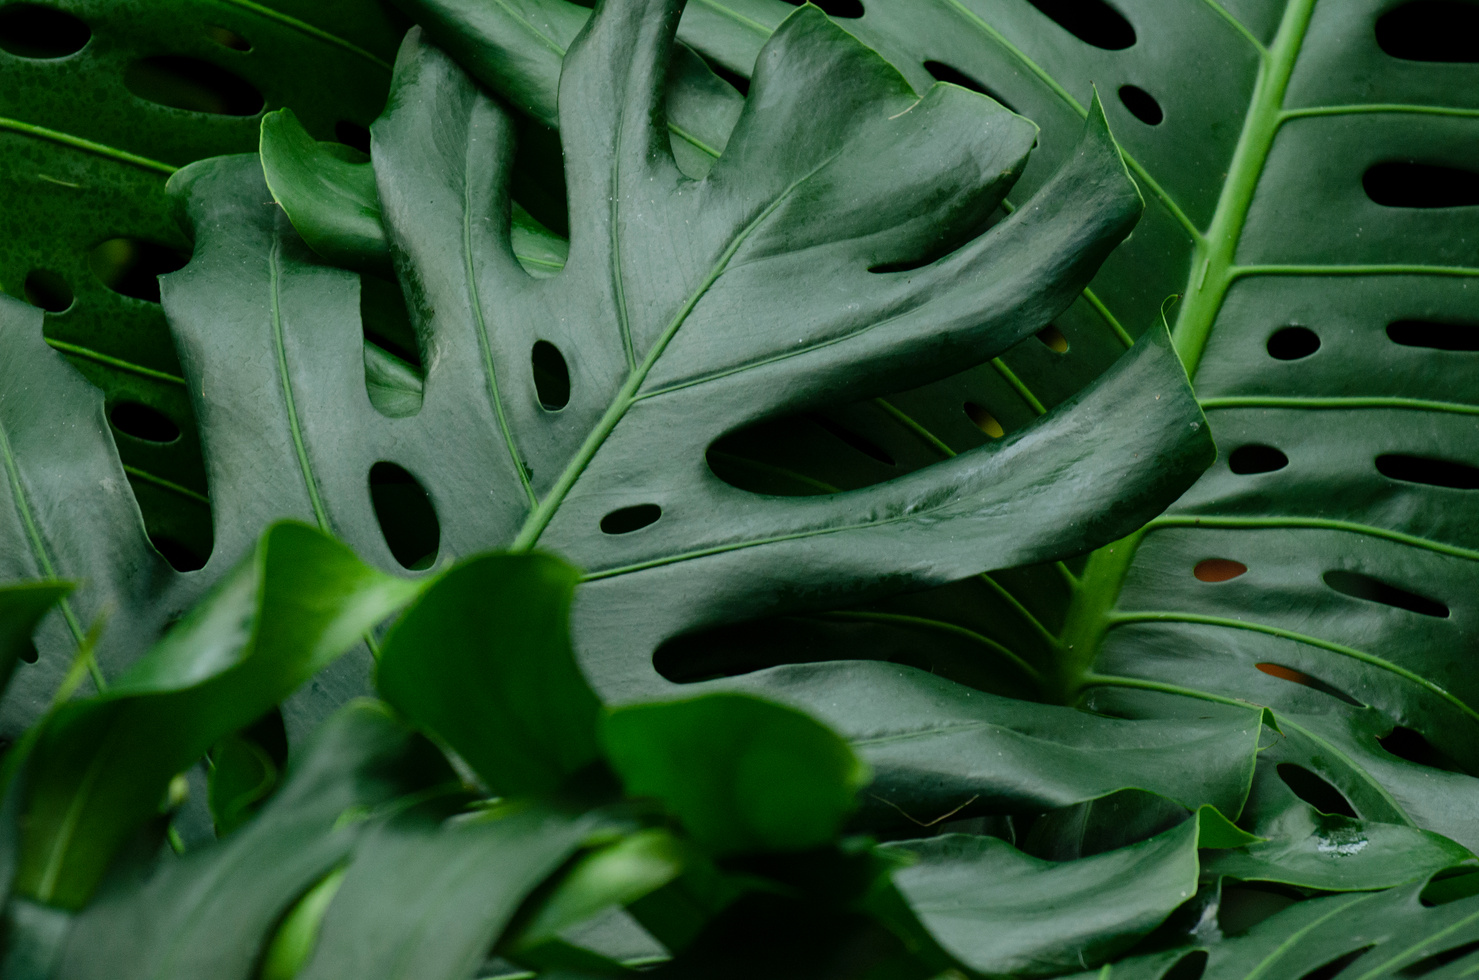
<point x="1313" y="523"/>
<point x="1089" y="615"/>
<point x="484" y="344"/>
<point x="78" y="143"/>
<point x="33" y="533"/>
<point x="1199" y="619"/>
<point x="544" y="511"/>
<point x="306" y="28"/>
<point x="285" y="377"/>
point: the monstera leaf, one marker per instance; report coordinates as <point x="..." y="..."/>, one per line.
<point x="101" y="102"/>
<point x="687" y="309"/>
<point x="1317" y="209"/>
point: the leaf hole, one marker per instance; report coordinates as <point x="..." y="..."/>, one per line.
<point x="629" y="519"/>
<point x="857" y="441"/>
<point x="192" y="84"/>
<point x="984" y="420"/>
<point x="551" y="376"/>
<point x="29" y="30"/>
<point x="1218" y="570"/>
<point x="1442" y="890"/>
<point x="942" y="72"/>
<point x="1333" y="969"/>
<point x="1190" y="967"/>
<point x="48" y="290"/>
<point x="29" y="654"/>
<point x="1244" y="905"/>
<point x="1400" y="184"/>
<point x="132" y="266"/>
<point x="1412" y="745"/>
<point x="1429" y="471"/>
<point x="1314" y="790"/>
<point x="1364" y="587"/>
<point x="227" y="38"/>
<point x="1091" y="21"/>
<point x="1429" y="964"/>
<point x="841" y="9"/>
<point x="1437" y="336"/>
<point x="181" y="557"/>
<point x="1307" y="680"/>
<point x="734" y="78"/>
<point x="352" y="134"/>
<point x="1431" y="30"/>
<point x="1247" y="460"/>
<point x="1052" y="338"/>
<point x="1293" y="343"/>
<point x="408" y="522"/>
<point x="1142" y="105"/>
<point x="143" y="422"/>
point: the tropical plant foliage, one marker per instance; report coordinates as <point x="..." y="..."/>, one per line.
<point x="687" y="302"/>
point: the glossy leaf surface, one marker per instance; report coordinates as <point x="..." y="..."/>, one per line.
<point x="613" y="479"/>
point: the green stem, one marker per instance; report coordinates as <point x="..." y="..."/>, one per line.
<point x="1088" y="620"/>
<point x="1213" y="259"/>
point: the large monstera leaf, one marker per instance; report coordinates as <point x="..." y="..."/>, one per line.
<point x="101" y="102"/>
<point x="1316" y="209"/>
<point x="688" y="308"/>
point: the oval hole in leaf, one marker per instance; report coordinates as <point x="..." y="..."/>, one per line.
<point x="1245" y="904"/>
<point x="942" y="72"/>
<point x="132" y="266"/>
<point x="1052" y="338"/>
<point x="629" y="519"/>
<point x="48" y="290"/>
<point x="1314" y="790"/>
<point x="1293" y="343"/>
<point x="227" y="38"/>
<point x="1400" y="184"/>
<point x="1308" y="680"/>
<point x="352" y="134"/>
<point x="1438" y="336"/>
<point x="551" y="376"/>
<point x="29" y="30"/>
<point x="842" y="9"/>
<point x="29" y="653"/>
<point x="1429" y="471"/>
<point x="1142" y="105"/>
<point x="1091" y="21"/>
<point x="143" y="422"/>
<point x="193" y="85"/>
<point x="1442" y="890"/>
<point x="180" y="557"/>
<point x="1364" y="587"/>
<point x="984" y="420"/>
<point x="734" y="78"/>
<point x="1218" y="569"/>
<point x="1412" y="745"/>
<point x="1247" y="460"/>
<point x="1189" y="967"/>
<point x="407" y="519"/>
<point x="1333" y="969"/>
<point x="385" y="320"/>
<point x="1431" y="30"/>
<point x="859" y="442"/>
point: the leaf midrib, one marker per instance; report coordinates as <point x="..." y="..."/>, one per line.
<point x="626" y="396"/>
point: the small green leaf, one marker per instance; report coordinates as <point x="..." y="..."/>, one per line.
<point x="616" y="874"/>
<point x="483" y="662"/>
<point x="241" y="776"/>
<point x="739" y="773"/>
<point x="98" y="768"/>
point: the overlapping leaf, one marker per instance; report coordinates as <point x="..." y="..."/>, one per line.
<point x="687" y="309"/>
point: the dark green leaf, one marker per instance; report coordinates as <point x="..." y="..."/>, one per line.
<point x="646" y="400"/>
<point x="483" y="662"/>
<point x="21" y="610"/>
<point x="1001" y="911"/>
